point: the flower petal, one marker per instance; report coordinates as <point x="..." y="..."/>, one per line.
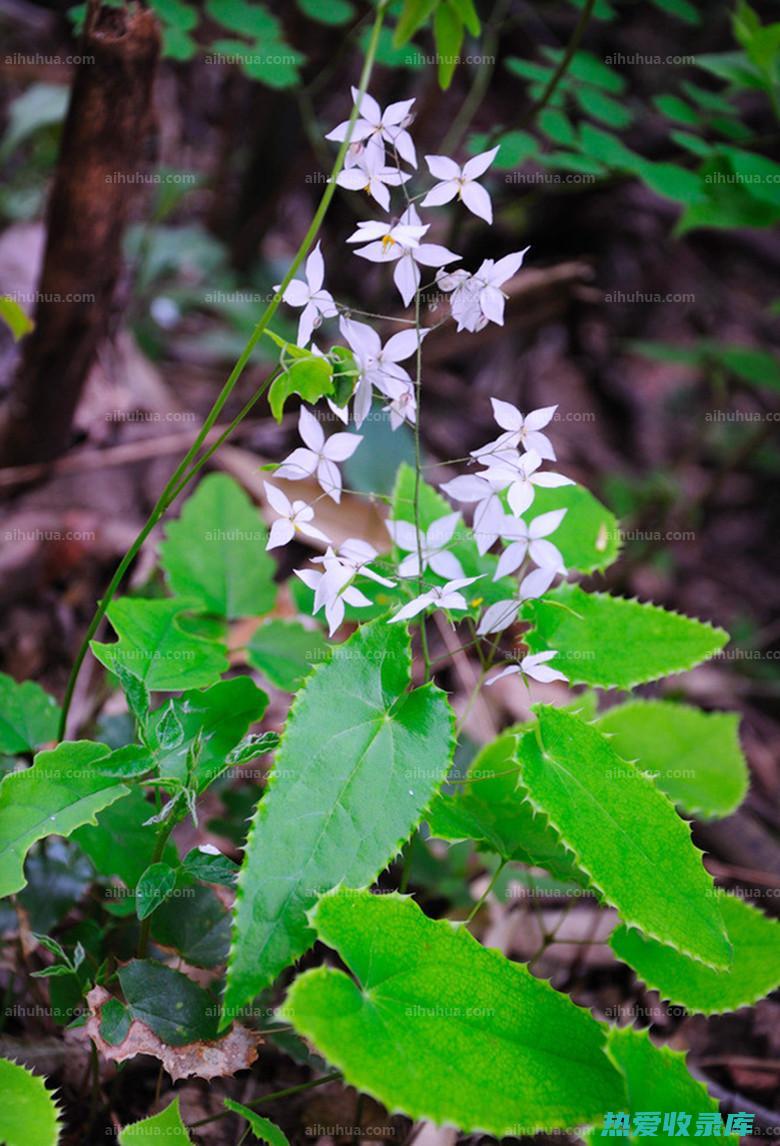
<point x="442" y="167"/>
<point x="476" y="198"/>
<point x="478" y="164"/>
<point x="446" y="565"/>
<point x="310" y="430"/>
<point x="440" y="194"/>
<point x="506" y="415"/>
<point x="498" y="617"/>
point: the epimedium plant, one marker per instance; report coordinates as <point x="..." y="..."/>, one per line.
<point x="418" y="1013"/>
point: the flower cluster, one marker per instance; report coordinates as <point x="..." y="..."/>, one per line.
<point x="506" y="472"/>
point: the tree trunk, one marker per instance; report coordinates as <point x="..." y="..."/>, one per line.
<point x="98" y="170"/>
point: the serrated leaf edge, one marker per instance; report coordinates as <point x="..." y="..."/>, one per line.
<point x="50" y="1094"/>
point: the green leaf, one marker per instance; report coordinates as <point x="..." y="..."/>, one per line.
<point x="15" y="318"/>
<point x="695" y="756"/>
<point x="457" y="1033"/>
<point x="154" y="886"/>
<point x="210" y="868"/>
<point x="448" y="37"/>
<point x="682" y="9"/>
<point x="657" y="1083"/>
<point x="285" y="652"/>
<point x="262" y="1128"/>
<point x="176" y="1009"/>
<point x="60" y="792"/>
<point x="527" y="70"/>
<point x="334" y="12"/>
<point x="29" y="1115"/>
<point x="120" y="843"/>
<point x="216" y="719"/>
<point x="516" y="146"/>
<point x="754" y="972"/>
<point x="589" y="69"/>
<point x="28" y="716"/>
<point x="310" y="377"/>
<point x="154" y="647"/>
<point x="492" y="808"/>
<point x="215" y="553"/>
<point x="115" y="1022"/>
<point x="610" y="111"/>
<point x="612" y="642"/>
<point x="671" y="181"/>
<point x="557" y="127"/>
<point x="624" y="833"/>
<point x="677" y="109"/>
<point x="195" y="923"/>
<point x="167" y="1124"/>
<point x="414" y="14"/>
<point x="360" y="760"/>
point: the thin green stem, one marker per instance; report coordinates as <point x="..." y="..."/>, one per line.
<point x="273" y="1097"/>
<point x="163" y="836"/>
<point x="493" y="881"/>
<point x="174" y="483"/>
<point x="563" y="64"/>
<point x="418" y="480"/>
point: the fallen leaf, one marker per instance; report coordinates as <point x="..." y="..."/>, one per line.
<point x="217" y="1058"/>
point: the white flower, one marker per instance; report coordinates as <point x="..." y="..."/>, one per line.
<point x="321" y="456"/>
<point x="533" y="666"/>
<point x="402" y="409"/>
<point x="370" y="175"/>
<point x="442" y="597"/>
<point x="354" y="555"/>
<point x="378" y="365"/>
<point x="461" y="181"/>
<point x="407" y="256"/>
<point x="375" y="127"/>
<point x="432" y="548"/>
<point x="316" y="302"/>
<point x="332" y="590"/>
<point x="498" y="616"/>
<point x="525" y="431"/>
<point x="478" y="299"/>
<point x="517" y="474"/>
<point x="488" y="513"/>
<point x="528" y="539"/>
<point x="385" y="236"/>
<point x="293" y="518"/>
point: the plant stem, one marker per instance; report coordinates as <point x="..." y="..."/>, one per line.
<point x="272" y="1097"/>
<point x="174" y="484"/>
<point x="485" y="893"/>
<point x="159" y="847"/>
<point x="418" y="478"/>
<point x="563" y="65"/>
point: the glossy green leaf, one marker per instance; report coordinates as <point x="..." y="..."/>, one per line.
<point x="154" y="886"/>
<point x="603" y="107"/>
<point x="209" y="867"/>
<point x="682" y="9"/>
<point x="217" y="718"/>
<point x="309" y="376"/>
<point x="694" y="756"/>
<point x="448" y="37"/>
<point x="414" y="14"/>
<point x="456" y="1033"/>
<point x="754" y="972"/>
<point x="360" y="760"/>
<point x="115" y="1020"/>
<point x="624" y="833"/>
<point x="658" y="1083"/>
<point x="215" y="553"/>
<point x="262" y="1128"/>
<point x="28" y="716"/>
<point x="166" y="1125"/>
<point x="176" y="1009"/>
<point x="492" y="809"/>
<point x="612" y="642"/>
<point x="154" y="647"/>
<point x="29" y="1115"/>
<point x="285" y="652"/>
<point x="60" y="792"/>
